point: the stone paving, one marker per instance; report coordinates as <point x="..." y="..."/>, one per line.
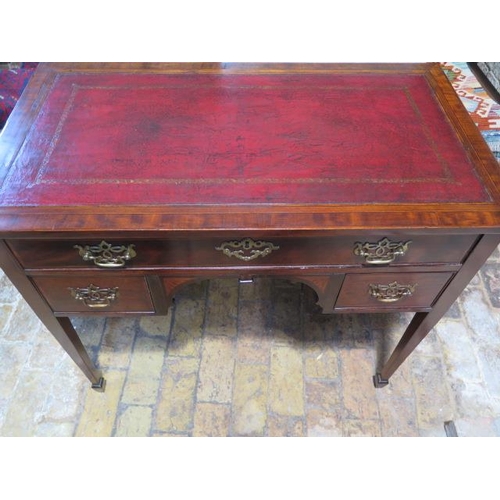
<point x="256" y="359"/>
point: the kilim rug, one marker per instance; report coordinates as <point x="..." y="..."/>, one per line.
<point x="13" y="80"/>
<point x="484" y="111"/>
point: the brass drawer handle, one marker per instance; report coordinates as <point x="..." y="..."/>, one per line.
<point x="107" y="255"/>
<point x="382" y="252"/>
<point x="95" y="297"/>
<point x="247" y="249"/>
<point x="391" y="292"/>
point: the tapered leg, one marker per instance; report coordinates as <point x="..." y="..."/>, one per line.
<point x="71" y="343"/>
<point x="60" y="328"/>
<point x="413" y="335"/>
<point x="423" y="323"/>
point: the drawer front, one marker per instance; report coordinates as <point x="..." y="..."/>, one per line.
<point x="96" y="294"/>
<point x="248" y="251"/>
<point x="391" y="290"/>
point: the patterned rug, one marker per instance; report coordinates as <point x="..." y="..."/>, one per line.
<point x="13" y="80"/>
<point x="484" y="111"/>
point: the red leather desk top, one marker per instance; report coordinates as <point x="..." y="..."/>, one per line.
<point x="285" y="138"/>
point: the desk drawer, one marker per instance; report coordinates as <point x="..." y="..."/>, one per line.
<point x="391" y="290"/>
<point x="251" y="251"/>
<point x="96" y="294"/>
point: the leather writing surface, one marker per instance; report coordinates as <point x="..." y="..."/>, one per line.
<point x="226" y="139"/>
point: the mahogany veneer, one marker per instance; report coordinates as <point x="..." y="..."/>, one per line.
<point x="120" y="183"/>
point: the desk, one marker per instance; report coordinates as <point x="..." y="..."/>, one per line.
<point x="120" y="183"/>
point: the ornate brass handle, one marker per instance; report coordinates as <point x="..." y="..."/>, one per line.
<point x="107" y="255"/>
<point x="247" y="249"/>
<point x="382" y="252"/>
<point x="391" y="292"/>
<point x="95" y="297"/>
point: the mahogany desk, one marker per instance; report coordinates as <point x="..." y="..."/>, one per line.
<point x="121" y="183"/>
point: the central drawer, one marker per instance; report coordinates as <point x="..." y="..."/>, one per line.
<point x="251" y="251"/>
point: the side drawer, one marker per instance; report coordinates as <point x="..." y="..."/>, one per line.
<point x="382" y="291"/>
<point x="95" y="294"/>
<point x="254" y="250"/>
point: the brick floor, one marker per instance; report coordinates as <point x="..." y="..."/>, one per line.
<point x="256" y="359"/>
